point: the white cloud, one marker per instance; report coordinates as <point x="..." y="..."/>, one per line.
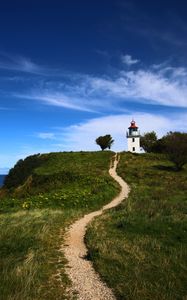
<point x="128" y="60"/>
<point x="146" y="86"/>
<point x="60" y="100"/>
<point x="67" y="102"/>
<point x="157" y="85"/>
<point x="82" y="136"/>
<point x="20" y="64"/>
<point x="46" y="135"/>
<point x="4" y="171"/>
<point x="162" y="86"/>
<point x="27" y="65"/>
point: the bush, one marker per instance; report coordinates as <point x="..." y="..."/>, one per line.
<point x="22" y="170"/>
<point x="175" y="146"/>
<point x="148" y="141"/>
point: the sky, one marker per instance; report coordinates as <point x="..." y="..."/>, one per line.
<point x="71" y="71"/>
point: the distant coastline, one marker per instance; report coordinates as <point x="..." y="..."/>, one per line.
<point x="2" y="177"/>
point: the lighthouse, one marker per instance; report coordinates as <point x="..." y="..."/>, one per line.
<point x="133" y="138"/>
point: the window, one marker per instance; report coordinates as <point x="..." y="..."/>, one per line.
<point x="133" y="139"/>
<point x="133" y="148"/>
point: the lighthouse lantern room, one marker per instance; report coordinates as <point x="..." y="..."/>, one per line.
<point x="133" y="138"/>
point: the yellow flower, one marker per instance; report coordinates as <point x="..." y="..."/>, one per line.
<point x="25" y="205"/>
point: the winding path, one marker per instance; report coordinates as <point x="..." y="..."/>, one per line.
<point x="85" y="281"/>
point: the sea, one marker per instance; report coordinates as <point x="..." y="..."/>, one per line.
<point x="2" y="177"/>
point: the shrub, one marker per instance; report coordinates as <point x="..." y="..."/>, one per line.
<point x="148" y="141"/>
<point x="175" y="145"/>
<point x="22" y="170"/>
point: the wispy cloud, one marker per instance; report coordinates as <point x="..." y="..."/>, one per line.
<point x="59" y="100"/>
<point x="166" y="86"/>
<point x="154" y="85"/>
<point x="103" y="53"/>
<point x="128" y="60"/>
<point x="170" y="33"/>
<point x="46" y="135"/>
<point x="20" y="64"/>
<point x="4" y="171"/>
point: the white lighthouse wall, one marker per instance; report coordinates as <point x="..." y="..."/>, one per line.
<point x="133" y="143"/>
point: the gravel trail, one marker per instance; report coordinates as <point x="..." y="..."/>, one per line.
<point x="86" y="283"/>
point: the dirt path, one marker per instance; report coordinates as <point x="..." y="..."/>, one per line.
<point x="85" y="281"/>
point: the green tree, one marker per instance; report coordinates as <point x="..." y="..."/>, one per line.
<point x="105" y="141"/>
<point x="148" y="141"/>
<point x="175" y="146"/>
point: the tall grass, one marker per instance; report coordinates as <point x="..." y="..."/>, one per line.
<point x="140" y="248"/>
<point x="29" y="243"/>
<point x="34" y="216"/>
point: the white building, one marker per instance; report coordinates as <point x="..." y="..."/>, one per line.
<point x="133" y="138"/>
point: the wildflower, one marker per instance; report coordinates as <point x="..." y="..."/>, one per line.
<point x="26" y="205"/>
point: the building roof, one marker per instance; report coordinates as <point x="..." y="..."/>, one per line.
<point x="133" y="124"/>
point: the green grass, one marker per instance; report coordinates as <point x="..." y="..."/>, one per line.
<point x="140" y="248"/>
<point x="64" y="180"/>
<point x="34" y="216"/>
<point x="29" y="243"/>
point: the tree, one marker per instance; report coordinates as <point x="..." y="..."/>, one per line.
<point x="105" y="141"/>
<point x="175" y="146"/>
<point x="148" y="141"/>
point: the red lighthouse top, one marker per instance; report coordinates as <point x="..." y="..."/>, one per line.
<point x="133" y="124"/>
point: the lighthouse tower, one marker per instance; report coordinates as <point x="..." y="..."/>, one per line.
<point x="133" y="138"/>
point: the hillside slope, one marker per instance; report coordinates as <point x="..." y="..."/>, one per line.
<point x="48" y="193"/>
<point x="58" y="180"/>
<point x="146" y="234"/>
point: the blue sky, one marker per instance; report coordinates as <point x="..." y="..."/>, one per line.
<point x="73" y="70"/>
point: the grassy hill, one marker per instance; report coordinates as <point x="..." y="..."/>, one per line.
<point x="140" y="248"/>
<point x="42" y="195"/>
<point x="58" y="180"/>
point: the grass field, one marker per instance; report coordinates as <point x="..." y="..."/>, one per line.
<point x="34" y="216"/>
<point x="140" y="248"/>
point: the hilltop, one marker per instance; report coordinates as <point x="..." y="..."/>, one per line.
<point x="57" y="180"/>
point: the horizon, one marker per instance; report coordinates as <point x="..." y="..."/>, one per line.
<point x="73" y="71"/>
